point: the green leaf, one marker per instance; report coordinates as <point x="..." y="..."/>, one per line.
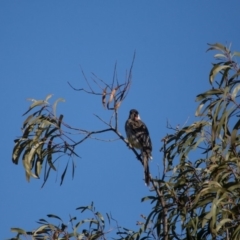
<point x="234" y="187"/>
<point x="236" y="233"/>
<point x="235" y="91"/>
<point x="60" y="120"/>
<point x="54" y="216"/>
<point x="90" y="207"/>
<point x="234" y="132"/>
<point x="211" y="92"/>
<point x="217" y="46"/>
<point x="90" y="220"/>
<point x="43" y="229"/>
<point x="236" y="54"/>
<point x="148" y="198"/>
<point x="32" y="152"/>
<point x="50" y="151"/>
<point x="215" y="70"/>
<point x="223" y="120"/>
<point x="27" y="131"/>
<point x="42" y="220"/>
<point x="19" y="230"/>
<point x="197" y="113"/>
<point x="73" y="168"/>
<point x="220" y="56"/>
<point x="63" y="175"/>
<point x="222" y="223"/>
<point x="38" y="167"/>
<point x="28" y="165"/>
<point x="17" y="150"/>
<point x="206" y="219"/>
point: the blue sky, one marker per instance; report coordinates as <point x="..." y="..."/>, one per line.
<point x="42" y="46"/>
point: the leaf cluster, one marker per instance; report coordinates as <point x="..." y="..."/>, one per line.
<point x="91" y="228"/>
<point x="42" y="137"/>
<point x="200" y="193"/>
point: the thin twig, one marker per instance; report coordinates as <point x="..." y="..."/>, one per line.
<point x="91" y="133"/>
<point x="86" y="79"/>
<point x="104" y="140"/>
<point x="82" y="89"/>
<point x="103" y="121"/>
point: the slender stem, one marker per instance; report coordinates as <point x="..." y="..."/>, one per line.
<point x="164" y="207"/>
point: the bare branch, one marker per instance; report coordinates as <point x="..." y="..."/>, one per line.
<point x="103" y="121"/>
<point x="104" y="140"/>
<point x="82" y="89"/>
<point x="91" y="133"/>
<point x="86" y="79"/>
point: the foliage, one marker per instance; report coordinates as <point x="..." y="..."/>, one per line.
<point x="95" y="227"/>
<point x="91" y="228"/>
<point x="46" y="137"/>
<point x="43" y="137"/>
<point x="202" y="160"/>
<point x="199" y="193"/>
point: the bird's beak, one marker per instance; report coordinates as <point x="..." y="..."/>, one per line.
<point x="138" y="117"/>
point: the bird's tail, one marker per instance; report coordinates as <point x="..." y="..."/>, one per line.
<point x="146" y="168"/>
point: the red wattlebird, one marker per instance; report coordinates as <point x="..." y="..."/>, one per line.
<point x="138" y="137"/>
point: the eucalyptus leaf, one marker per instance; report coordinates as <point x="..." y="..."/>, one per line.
<point x="35" y="104"/>
<point x="215" y="70"/>
<point x="19" y="230"/>
<point x="55" y="105"/>
<point x="235" y="91"/>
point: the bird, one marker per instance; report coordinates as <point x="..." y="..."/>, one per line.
<point x="138" y="137"/>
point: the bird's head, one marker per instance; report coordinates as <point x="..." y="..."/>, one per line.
<point x="134" y="115"/>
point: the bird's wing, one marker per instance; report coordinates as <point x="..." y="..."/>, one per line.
<point x="137" y="130"/>
<point x="138" y="137"/>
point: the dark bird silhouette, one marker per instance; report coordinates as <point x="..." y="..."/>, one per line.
<point x="138" y="137"/>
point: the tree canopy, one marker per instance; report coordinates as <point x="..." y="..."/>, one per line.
<point x="197" y="196"/>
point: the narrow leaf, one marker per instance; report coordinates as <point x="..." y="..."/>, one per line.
<point x="49" y="156"/>
<point x="215" y="70"/>
<point x="235" y="91"/>
<point x="38" y="167"/>
<point x="63" y="175"/>
<point x="217" y="46"/>
<point x="60" y="120"/>
<point x="197" y="113"/>
<point x="19" y="230"/>
<point x="236" y="54"/>
<point x="206" y="219"/>
<point x="55" y="105"/>
<point x="41" y="229"/>
<point x="54" y="216"/>
<point x="48" y="97"/>
<point x="17" y="150"/>
<point x="234" y="132"/>
<point x="220" y="56"/>
<point x="35" y="104"/>
<point x="209" y="93"/>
